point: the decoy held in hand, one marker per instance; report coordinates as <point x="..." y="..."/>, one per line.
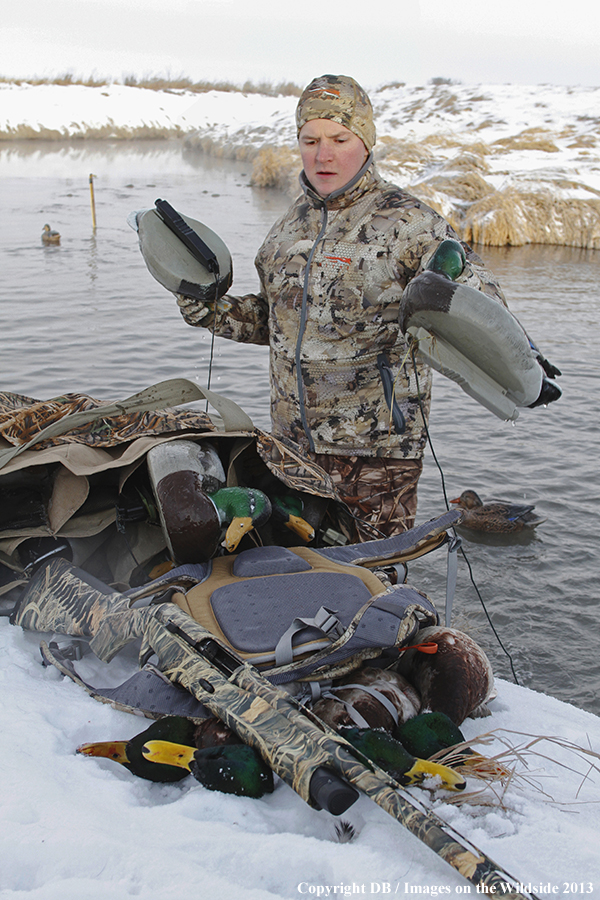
<point x="498" y="516"/>
<point x="49" y="236"/>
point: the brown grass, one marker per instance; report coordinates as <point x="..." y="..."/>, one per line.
<point x="277" y="167"/>
<point x="158" y="83"/>
<point x="513" y="765"/>
<point x="529" y="139"/>
<point x="514" y="218"/>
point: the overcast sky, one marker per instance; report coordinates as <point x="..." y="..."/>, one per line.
<point x="473" y="41"/>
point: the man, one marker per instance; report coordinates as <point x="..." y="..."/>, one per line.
<point x="332" y="272"/>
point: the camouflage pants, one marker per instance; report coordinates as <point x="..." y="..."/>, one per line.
<point x="380" y="492"/>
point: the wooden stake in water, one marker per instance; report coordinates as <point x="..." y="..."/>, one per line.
<point x="93" y="201"/>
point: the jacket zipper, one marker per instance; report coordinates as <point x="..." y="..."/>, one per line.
<point x="304" y="309"/>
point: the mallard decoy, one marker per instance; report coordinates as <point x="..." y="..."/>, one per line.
<point x="209" y="733"/>
<point x="498" y="516"/>
<point x="449" y="259"/>
<point x="232" y="769"/>
<point x="434" y="736"/>
<point x="428" y="733"/>
<point x="129" y="753"/>
<point x="240" y="509"/>
<point x="195" y="507"/>
<point x="287" y="510"/>
<point x="49" y="236"/>
<point x="394" y="758"/>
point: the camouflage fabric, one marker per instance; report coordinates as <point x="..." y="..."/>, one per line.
<point x="340" y="98"/>
<point x="332" y="273"/>
<point x="21" y="418"/>
<point x="380" y="492"/>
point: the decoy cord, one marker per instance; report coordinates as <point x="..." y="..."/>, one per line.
<point x="461" y="548"/>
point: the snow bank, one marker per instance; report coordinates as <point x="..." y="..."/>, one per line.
<point x="506" y="164"/>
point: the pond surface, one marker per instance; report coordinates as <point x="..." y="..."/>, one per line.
<point x="87" y="316"/>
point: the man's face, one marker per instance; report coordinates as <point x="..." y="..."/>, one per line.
<point x="331" y="154"/>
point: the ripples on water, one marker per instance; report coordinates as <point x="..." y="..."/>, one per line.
<point x="87" y="316"/>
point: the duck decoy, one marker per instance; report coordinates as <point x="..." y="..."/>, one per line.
<point x="195" y="507"/>
<point x="434" y="736"/>
<point x="428" y="733"/>
<point x="49" y="236"/>
<point x="449" y="259"/>
<point x="287" y="510"/>
<point x="232" y="769"/>
<point x="129" y="753"/>
<point x="392" y="756"/>
<point x="498" y="516"/>
<point x="240" y="509"/>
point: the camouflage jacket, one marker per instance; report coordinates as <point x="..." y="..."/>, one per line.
<point x="332" y="274"/>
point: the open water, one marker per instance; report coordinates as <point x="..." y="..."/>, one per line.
<point x="87" y="316"/>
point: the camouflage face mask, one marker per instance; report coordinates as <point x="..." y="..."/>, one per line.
<point x="340" y="98"/>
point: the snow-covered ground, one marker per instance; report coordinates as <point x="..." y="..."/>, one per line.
<point x="505" y="163"/>
<point x="74" y="827"/>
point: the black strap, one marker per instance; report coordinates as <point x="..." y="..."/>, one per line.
<point x="187" y="235"/>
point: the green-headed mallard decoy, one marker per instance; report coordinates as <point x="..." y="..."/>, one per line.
<point x="210" y="733"/>
<point x="195" y="506"/>
<point x="232" y="769"/>
<point x="394" y="758"/>
<point x="129" y="753"/>
<point x="240" y="509"/>
<point x="49" y="236"/>
<point x="498" y="516"/>
<point x="449" y="259"/>
<point x="287" y="510"/>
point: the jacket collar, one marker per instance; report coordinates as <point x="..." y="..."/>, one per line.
<point x="366" y="178"/>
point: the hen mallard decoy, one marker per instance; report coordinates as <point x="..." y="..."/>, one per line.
<point x="49" y="236"/>
<point x="394" y="758"/>
<point x="456" y="680"/>
<point x="499" y="516"/>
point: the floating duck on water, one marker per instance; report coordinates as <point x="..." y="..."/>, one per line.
<point x="499" y="516"/>
<point x="49" y="236"/>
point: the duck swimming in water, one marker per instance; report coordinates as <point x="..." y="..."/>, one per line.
<point x="49" y="236"/>
<point x="499" y="516"/>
